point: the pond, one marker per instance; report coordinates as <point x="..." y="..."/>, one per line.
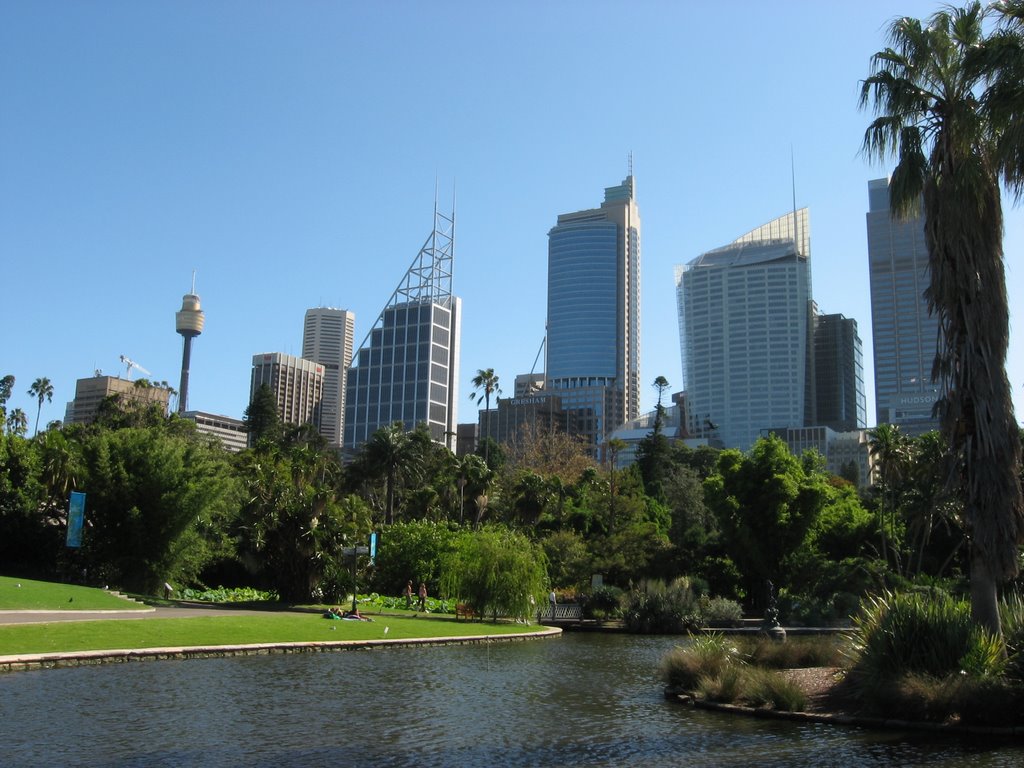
<point x="580" y="700"/>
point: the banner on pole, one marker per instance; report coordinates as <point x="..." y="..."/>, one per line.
<point x="76" y="518"/>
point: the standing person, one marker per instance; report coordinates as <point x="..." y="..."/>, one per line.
<point x="408" y="595"/>
<point x="423" y="596"/>
<point x="553" y="601"/>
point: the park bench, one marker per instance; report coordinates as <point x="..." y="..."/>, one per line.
<point x="464" y="609"/>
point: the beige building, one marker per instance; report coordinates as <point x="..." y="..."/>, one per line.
<point x="297" y="385"/>
<point x="327" y="339"/>
<point x="90" y="393"/>
<point x="231" y="432"/>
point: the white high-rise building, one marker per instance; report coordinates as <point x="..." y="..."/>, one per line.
<point x="745" y="315"/>
<point x="327" y="338"/>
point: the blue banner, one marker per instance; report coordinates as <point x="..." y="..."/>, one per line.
<point x="76" y="518"/>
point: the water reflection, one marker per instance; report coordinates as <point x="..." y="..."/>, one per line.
<point x="582" y="700"/>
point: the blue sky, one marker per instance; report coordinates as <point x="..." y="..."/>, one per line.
<point x="288" y="153"/>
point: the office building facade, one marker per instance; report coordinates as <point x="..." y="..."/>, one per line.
<point x="840" y="400"/>
<point x="407" y="368"/>
<point x="904" y="335"/>
<point x="296" y="383"/>
<point x="745" y="322"/>
<point x="327" y="338"/>
<point x="593" y="313"/>
<point x="92" y="392"/>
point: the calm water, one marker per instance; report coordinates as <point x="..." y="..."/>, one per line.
<point x="582" y="700"/>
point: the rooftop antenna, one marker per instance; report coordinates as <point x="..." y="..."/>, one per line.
<point x="630" y="162"/>
<point x="796" y="227"/>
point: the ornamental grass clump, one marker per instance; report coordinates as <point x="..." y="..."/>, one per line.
<point x="920" y="657"/>
<point x="798" y="652"/>
<point x="706" y="656"/>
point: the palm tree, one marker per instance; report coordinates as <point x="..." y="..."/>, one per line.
<point x="486" y="384"/>
<point x="17" y="422"/>
<point x="41" y="389"/>
<point x="930" y="93"/>
<point x="890" y="450"/>
<point x="390" y="453"/>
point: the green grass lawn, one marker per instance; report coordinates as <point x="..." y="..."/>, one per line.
<point x="28" y="595"/>
<point x="110" y="634"/>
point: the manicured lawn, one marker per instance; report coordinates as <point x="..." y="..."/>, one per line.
<point x="230" y="630"/>
<point x="28" y="595"/>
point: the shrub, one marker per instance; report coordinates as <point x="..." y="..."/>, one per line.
<point x="225" y="595"/>
<point x="603" y="603"/>
<point x="661" y="608"/>
<point x="1012" y="615"/>
<point x="724" y="687"/>
<point x="797" y="652"/>
<point x="721" y="611"/>
<point x="919" y="634"/>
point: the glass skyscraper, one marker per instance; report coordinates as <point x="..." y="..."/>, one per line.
<point x="593" y="317"/>
<point x="407" y="368"/>
<point x="745" y="315"/>
<point x="904" y="334"/>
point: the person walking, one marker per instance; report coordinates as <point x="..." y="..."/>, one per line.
<point x="423" y="596"/>
<point x="408" y="595"/>
<point x="554" y="602"/>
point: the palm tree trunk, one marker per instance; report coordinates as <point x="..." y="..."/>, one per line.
<point x="984" y="598"/>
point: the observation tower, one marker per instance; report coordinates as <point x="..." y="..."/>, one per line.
<point x="189" y="323"/>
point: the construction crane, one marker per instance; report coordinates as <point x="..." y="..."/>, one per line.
<point x="129" y="364"/>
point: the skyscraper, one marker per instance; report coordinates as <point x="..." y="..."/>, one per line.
<point x="407" y="368"/>
<point x="297" y="385"/>
<point x="904" y="334"/>
<point x="593" y="321"/>
<point x="327" y="335"/>
<point x="840" y="401"/>
<point x="745" y="333"/>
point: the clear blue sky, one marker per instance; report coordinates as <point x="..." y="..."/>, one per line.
<point x="288" y="152"/>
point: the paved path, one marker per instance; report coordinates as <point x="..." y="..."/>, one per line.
<point x="189" y="611"/>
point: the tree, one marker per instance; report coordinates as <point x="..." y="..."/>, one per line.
<point x="942" y="111"/>
<point x="41" y="389"/>
<point x="496" y="571"/>
<point x="261" y="418"/>
<point x="486" y="384"/>
<point x="660" y="384"/>
<point x="390" y="454"/>
<point x="153" y="496"/>
<point x="295" y="518"/>
<point x="890" y="450"/>
<point x="6" y="387"/>
<point x="17" y="422"/>
<point x="765" y="504"/>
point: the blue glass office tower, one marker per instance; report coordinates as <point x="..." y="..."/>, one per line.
<point x="593" y="321"/>
<point x="745" y="328"/>
<point x="904" y="334"/>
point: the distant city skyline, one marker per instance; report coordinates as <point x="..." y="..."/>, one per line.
<point x="290" y="155"/>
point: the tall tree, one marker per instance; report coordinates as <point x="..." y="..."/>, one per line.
<point x="6" y="387"/>
<point x="41" y="389"/>
<point x="486" y="384"/>
<point x="929" y="92"/>
<point x="890" y="450"/>
<point x="17" y="422"/>
<point x="391" y="454"/>
<point x="660" y="384"/>
<point x="261" y="418"/>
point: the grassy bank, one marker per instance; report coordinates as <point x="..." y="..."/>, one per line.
<point x="57" y="637"/>
<point x="27" y="595"/>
